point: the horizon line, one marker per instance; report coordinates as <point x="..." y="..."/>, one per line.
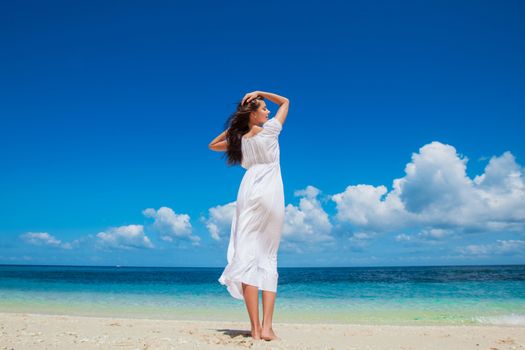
<point x="280" y="267"/>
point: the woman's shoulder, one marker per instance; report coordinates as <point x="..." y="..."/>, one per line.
<point x="253" y="131"/>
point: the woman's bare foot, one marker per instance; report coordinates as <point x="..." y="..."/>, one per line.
<point x="268" y="334"/>
<point x="256" y="335"/>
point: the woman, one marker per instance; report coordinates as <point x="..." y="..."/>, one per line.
<point x="251" y="140"/>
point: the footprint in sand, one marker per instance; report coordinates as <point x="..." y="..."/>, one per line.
<point x="506" y="341"/>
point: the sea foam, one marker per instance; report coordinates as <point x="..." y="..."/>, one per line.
<point x="507" y="320"/>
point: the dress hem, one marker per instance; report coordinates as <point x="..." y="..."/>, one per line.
<point x="234" y="286"/>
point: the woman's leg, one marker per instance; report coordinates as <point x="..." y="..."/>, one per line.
<point x="251" y="298"/>
<point x="268" y="305"/>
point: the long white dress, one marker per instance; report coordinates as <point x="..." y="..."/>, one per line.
<point x="259" y="216"/>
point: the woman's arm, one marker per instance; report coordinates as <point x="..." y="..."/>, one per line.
<point x="219" y="143"/>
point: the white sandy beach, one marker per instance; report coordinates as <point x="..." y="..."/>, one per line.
<point x="36" y="331"/>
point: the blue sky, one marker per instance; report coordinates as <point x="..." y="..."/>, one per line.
<point x="403" y="144"/>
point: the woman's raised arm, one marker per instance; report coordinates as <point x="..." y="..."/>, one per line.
<point x="283" y="103"/>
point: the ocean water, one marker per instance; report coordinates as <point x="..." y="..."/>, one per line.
<point x="355" y="295"/>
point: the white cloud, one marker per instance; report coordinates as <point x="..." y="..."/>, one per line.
<point x="500" y="247"/>
<point x="434" y="233"/>
<point x="435" y="180"/>
<point x="125" y="237"/>
<point x="361" y="240"/>
<point x="435" y="201"/>
<point x="171" y="225"/>
<point x="44" y="238"/>
<point x="364" y="206"/>
<point x="219" y="220"/>
<point x="403" y="238"/>
<point x="438" y="197"/>
<point x="307" y="222"/>
<point x="501" y="189"/>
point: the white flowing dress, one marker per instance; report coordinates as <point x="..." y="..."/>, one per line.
<point x="259" y="215"/>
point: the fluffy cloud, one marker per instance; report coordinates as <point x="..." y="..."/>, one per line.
<point x="219" y="220"/>
<point x="171" y="225"/>
<point x="435" y="181"/>
<point x="125" y="237"/>
<point x="438" y="197"/>
<point x="433" y="203"/>
<point x="365" y="206"/>
<point x="307" y="222"/>
<point x="44" y="238"/>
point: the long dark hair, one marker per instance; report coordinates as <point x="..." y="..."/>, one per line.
<point x="238" y="124"/>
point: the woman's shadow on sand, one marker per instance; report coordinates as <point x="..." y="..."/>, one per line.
<point x="235" y="332"/>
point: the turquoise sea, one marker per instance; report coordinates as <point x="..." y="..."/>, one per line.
<point x="365" y="295"/>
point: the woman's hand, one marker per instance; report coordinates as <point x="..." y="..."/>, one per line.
<point x="249" y="96"/>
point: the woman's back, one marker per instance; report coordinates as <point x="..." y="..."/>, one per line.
<point x="262" y="148"/>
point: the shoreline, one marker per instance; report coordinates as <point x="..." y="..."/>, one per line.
<point x="287" y="323"/>
<point x="308" y="318"/>
<point x="37" y="331"/>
